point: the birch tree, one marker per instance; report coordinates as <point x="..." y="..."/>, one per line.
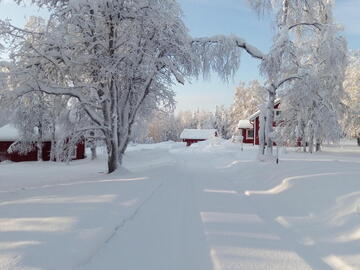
<point x="247" y="100"/>
<point x="352" y="100"/>
<point x="307" y="54"/>
<point x="312" y="106"/>
<point x="114" y="55"/>
<point x="111" y="56"/>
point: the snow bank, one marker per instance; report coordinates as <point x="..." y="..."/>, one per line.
<point x="163" y="145"/>
<point x="198" y="134"/>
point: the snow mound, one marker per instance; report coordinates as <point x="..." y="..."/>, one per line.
<point x="198" y="134"/>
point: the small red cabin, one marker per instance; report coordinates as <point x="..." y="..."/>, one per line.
<point x="9" y="135"/>
<point x="191" y="136"/>
<point x="249" y="129"/>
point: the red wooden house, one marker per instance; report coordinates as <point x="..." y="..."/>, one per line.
<point x="9" y="135"/>
<point x="249" y="129"/>
<point x="191" y="136"/>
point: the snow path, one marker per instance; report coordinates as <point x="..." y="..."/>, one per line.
<point x="208" y="207"/>
<point x="198" y="220"/>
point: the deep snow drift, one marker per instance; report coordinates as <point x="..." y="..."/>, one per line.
<point x="209" y="206"/>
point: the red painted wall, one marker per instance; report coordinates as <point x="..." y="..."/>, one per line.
<point x="246" y="139"/>
<point x="257" y="126"/>
<point x="80" y="150"/>
<point x="32" y="156"/>
<point x="191" y="141"/>
<point x="4" y="155"/>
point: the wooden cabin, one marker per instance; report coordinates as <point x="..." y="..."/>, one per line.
<point x="191" y="136"/>
<point x="250" y="132"/>
<point x="9" y="135"/>
<point x="246" y="131"/>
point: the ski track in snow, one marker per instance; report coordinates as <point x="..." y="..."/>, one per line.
<point x="121" y="225"/>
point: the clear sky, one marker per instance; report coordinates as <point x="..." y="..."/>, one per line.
<point x="211" y="17"/>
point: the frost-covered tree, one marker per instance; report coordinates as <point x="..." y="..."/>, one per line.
<point x="111" y="56"/>
<point x="32" y="119"/>
<point x="307" y="54"/>
<point x="247" y="100"/>
<point x="5" y="111"/>
<point x="312" y="105"/>
<point x="222" y="122"/>
<point x="186" y="119"/>
<point x="34" y="113"/>
<point x="352" y="100"/>
<point x="164" y="127"/>
<point x="203" y="119"/>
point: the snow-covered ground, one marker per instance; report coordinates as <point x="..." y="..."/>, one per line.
<point x="209" y="206"/>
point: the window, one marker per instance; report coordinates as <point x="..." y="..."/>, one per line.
<point x="250" y="133"/>
<point x="74" y="153"/>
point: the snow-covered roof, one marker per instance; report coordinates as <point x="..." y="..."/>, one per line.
<point x="257" y="113"/>
<point x="8" y="133"/>
<point x="245" y="124"/>
<point x="254" y="115"/>
<point x="198" y="134"/>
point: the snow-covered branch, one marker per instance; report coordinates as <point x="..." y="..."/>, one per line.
<point x="315" y="24"/>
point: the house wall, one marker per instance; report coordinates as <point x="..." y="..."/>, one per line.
<point x="257" y="126"/>
<point x="15" y="157"/>
<point x="245" y="138"/>
<point x="46" y="151"/>
<point x="80" y="150"/>
<point x="257" y="130"/>
<point x="32" y="156"/>
<point x="191" y="141"/>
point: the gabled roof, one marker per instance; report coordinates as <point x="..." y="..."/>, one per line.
<point x="198" y="134"/>
<point x="257" y="113"/>
<point x="245" y="124"/>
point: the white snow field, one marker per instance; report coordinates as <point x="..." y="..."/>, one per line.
<point x="205" y="207"/>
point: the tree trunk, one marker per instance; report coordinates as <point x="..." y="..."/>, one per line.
<point x="112" y="157"/>
<point x="262" y="134"/>
<point x="39" y="150"/>
<point x="93" y="152"/>
<point x="92" y="142"/>
<point x="269" y="121"/>
<point x="318" y="145"/>
<point x="39" y="144"/>
<point x="303" y="142"/>
<point x="311" y="141"/>
<point x="53" y="145"/>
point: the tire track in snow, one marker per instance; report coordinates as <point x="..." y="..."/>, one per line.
<point x="118" y="227"/>
<point x="290" y="238"/>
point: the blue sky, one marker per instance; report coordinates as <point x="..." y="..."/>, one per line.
<point x="211" y="17"/>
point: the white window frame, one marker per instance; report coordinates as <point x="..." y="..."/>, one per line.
<point x="247" y="133"/>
